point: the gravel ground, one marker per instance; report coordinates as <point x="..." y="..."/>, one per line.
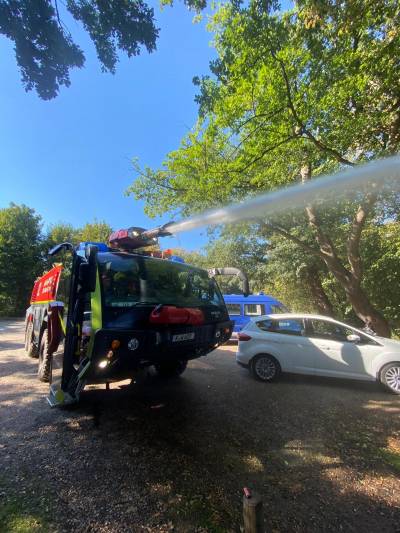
<point x="324" y="454"/>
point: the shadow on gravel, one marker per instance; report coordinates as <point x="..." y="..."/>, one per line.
<point x="181" y="451"/>
<point x="9" y="345"/>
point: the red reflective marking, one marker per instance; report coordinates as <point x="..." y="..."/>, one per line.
<point x="244" y="337"/>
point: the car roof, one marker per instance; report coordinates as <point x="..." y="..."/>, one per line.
<point x="310" y="316"/>
<point x="300" y="316"/>
<point x="240" y="298"/>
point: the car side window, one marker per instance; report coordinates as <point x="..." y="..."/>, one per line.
<point x="283" y="326"/>
<point x="254" y="309"/>
<point x="328" y="330"/>
<point x="266" y="325"/>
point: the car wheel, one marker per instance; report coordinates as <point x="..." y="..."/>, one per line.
<point x="265" y="368"/>
<point x="44" y="369"/>
<point x="30" y="347"/>
<point x="170" y="370"/>
<point x="389" y="376"/>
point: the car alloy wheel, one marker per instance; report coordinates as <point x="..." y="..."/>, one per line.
<point x="392" y="378"/>
<point x="265" y="368"/>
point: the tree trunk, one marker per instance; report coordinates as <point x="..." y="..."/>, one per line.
<point x="349" y="279"/>
<point x="321" y="300"/>
<point x="364" y="310"/>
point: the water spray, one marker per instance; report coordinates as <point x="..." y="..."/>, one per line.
<point x="375" y="175"/>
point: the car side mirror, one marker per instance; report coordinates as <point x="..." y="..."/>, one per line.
<point x="353" y="338"/>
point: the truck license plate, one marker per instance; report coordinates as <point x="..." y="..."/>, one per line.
<point x="183" y="337"/>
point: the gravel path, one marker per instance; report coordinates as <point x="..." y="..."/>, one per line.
<point x="325" y="455"/>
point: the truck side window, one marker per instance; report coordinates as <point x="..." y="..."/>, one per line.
<point x="276" y="309"/>
<point x="233" y="309"/>
<point x="254" y="309"/>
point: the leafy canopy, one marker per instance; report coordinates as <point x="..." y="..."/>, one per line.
<point x="20" y="257"/>
<point x="317" y="83"/>
<point x="290" y="96"/>
<point x="45" y="50"/>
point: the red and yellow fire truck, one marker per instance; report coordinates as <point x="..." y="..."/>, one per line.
<point x="127" y="309"/>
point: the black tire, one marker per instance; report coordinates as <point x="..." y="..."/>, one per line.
<point x="172" y="369"/>
<point x="389" y="376"/>
<point x="44" y="369"/>
<point x="30" y="348"/>
<point x="265" y="368"/>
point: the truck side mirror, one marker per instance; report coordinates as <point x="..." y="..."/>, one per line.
<point x="63" y="246"/>
<point x="88" y="270"/>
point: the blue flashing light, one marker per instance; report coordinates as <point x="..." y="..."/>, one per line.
<point x="177" y="259"/>
<point x="100" y="245"/>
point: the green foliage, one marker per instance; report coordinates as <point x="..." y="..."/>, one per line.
<point x="235" y="247"/>
<point x="23" y="252"/>
<point x="61" y="232"/>
<point x="20" y="257"/>
<point x="15" y="519"/>
<point x="45" y="50"/>
<point x="286" y="274"/>
<point x="97" y="231"/>
<point x="316" y="85"/>
<point x="381" y="257"/>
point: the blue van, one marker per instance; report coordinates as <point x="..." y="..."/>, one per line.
<point x="242" y="308"/>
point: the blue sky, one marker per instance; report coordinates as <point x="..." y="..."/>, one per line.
<point x="69" y="158"/>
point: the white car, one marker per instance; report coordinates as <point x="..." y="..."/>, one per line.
<point x="319" y="346"/>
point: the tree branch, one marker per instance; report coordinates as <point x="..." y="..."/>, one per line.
<point x="266" y="116"/>
<point x="353" y="241"/>
<point x="326" y="246"/>
<point x="265" y="152"/>
<point x="163" y="185"/>
<point x="284" y="233"/>
<point x="319" y="144"/>
<point x="58" y="14"/>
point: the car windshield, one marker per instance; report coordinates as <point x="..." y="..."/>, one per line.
<point x="129" y="281"/>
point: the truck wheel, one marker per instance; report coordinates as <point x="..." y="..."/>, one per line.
<point x="30" y="348"/>
<point x="44" y="370"/>
<point x="172" y="369"/>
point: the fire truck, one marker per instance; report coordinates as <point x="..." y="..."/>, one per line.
<point x="129" y="307"/>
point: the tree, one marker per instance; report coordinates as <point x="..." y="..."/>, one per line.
<point x="61" y="232"/>
<point x="235" y="247"/>
<point x="292" y="95"/>
<point x="297" y="278"/>
<point x="20" y="257"/>
<point x="45" y="50"/>
<point x="97" y="231"/>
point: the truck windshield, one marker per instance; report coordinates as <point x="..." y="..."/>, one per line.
<point x="129" y="281"/>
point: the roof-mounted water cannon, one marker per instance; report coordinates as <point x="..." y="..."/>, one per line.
<point x="136" y="237"/>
